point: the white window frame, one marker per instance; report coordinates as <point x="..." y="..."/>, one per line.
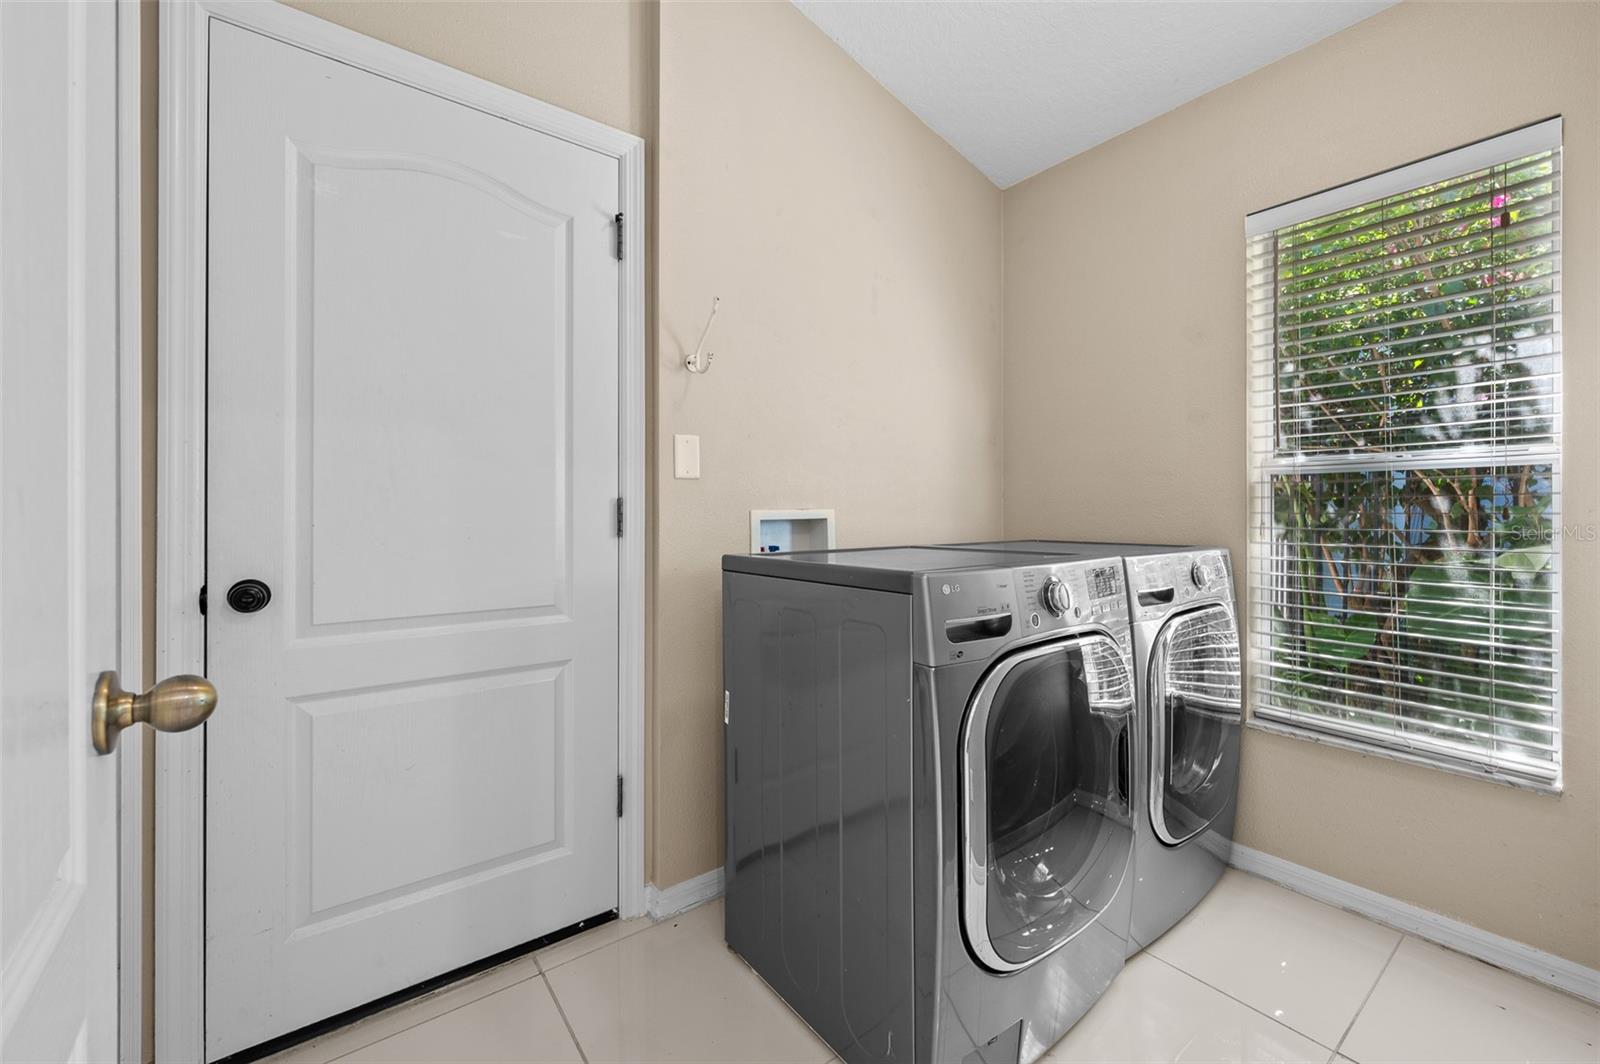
<point x="1263" y="464"/>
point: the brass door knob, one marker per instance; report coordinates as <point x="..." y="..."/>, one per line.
<point x="177" y="703"/>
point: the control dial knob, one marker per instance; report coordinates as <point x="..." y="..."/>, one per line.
<point x="1055" y="596"/>
<point x="1200" y="575"/>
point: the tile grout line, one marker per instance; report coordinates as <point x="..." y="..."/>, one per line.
<point x="550" y="986"/>
<point x="1370" y="991"/>
<point x="762" y="982"/>
<point x="571" y="1031"/>
<point x="537" y="971"/>
<point x="1238" y="1001"/>
<point x="579" y="956"/>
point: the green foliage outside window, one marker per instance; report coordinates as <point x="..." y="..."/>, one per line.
<point x="1412" y="579"/>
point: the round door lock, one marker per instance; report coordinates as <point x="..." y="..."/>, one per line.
<point x="248" y="596"/>
<point x="1055" y="596"/>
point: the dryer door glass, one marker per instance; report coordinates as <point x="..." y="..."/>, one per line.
<point x="1045" y="763"/>
<point x="1195" y="722"/>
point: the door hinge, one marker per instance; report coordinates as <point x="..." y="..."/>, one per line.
<point x="202" y="600"/>
<point x="619" y="518"/>
<point x="725" y="701"/>
<point x="619" y="236"/>
<point x="619" y="797"/>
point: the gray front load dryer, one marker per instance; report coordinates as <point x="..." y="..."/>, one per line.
<point x="929" y="793"/>
<point x="1187" y="666"/>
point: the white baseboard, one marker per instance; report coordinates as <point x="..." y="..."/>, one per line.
<point x="1502" y="952"/>
<point x="661" y="903"/>
<point x="1568" y="976"/>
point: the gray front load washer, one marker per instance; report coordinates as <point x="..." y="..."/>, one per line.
<point x="1187" y="666"/>
<point x="929" y="793"/>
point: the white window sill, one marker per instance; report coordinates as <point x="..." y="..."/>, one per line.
<point x="1453" y="767"/>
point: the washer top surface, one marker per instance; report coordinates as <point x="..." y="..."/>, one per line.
<point x="1084" y="549"/>
<point x="879" y="568"/>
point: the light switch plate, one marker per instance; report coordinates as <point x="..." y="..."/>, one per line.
<point x="686" y="457"/>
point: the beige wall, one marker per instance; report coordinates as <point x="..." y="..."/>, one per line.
<point x="1125" y="407"/>
<point x="858" y="344"/>
<point x="858" y="259"/>
<point x="593" y="57"/>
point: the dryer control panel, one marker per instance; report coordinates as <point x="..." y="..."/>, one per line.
<point x="970" y="614"/>
<point x="1160" y="583"/>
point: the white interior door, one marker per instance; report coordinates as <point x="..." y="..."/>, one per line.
<point x="58" y="529"/>
<point x="412" y="364"/>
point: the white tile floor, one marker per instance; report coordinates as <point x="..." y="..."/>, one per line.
<point x="1256" y="973"/>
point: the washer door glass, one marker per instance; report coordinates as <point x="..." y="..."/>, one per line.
<point x="1045" y="767"/>
<point x="1194" y="678"/>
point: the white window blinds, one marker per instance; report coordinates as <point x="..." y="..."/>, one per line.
<point x="1405" y="336"/>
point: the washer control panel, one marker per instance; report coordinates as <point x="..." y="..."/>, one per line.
<point x="972" y="613"/>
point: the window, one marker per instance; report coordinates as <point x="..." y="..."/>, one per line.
<point x="1405" y="336"/>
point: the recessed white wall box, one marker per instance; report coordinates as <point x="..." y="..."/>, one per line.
<point x="781" y="531"/>
<point x="686" y="457"/>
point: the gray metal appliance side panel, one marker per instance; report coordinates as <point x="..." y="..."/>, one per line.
<point x="819" y="762"/>
<point x="928" y="848"/>
<point x="745" y="913"/>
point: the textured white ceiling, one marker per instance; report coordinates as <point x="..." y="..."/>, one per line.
<point x="1016" y="87"/>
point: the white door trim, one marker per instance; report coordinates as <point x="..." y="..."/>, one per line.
<point x="180" y="506"/>
<point x="131" y="959"/>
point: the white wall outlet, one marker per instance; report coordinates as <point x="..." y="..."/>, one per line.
<point x="686" y="457"/>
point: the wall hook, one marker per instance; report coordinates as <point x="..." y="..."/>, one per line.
<point x="700" y="361"/>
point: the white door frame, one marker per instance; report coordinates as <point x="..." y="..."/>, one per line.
<point x="131" y="957"/>
<point x="181" y="448"/>
<point x="85" y="138"/>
